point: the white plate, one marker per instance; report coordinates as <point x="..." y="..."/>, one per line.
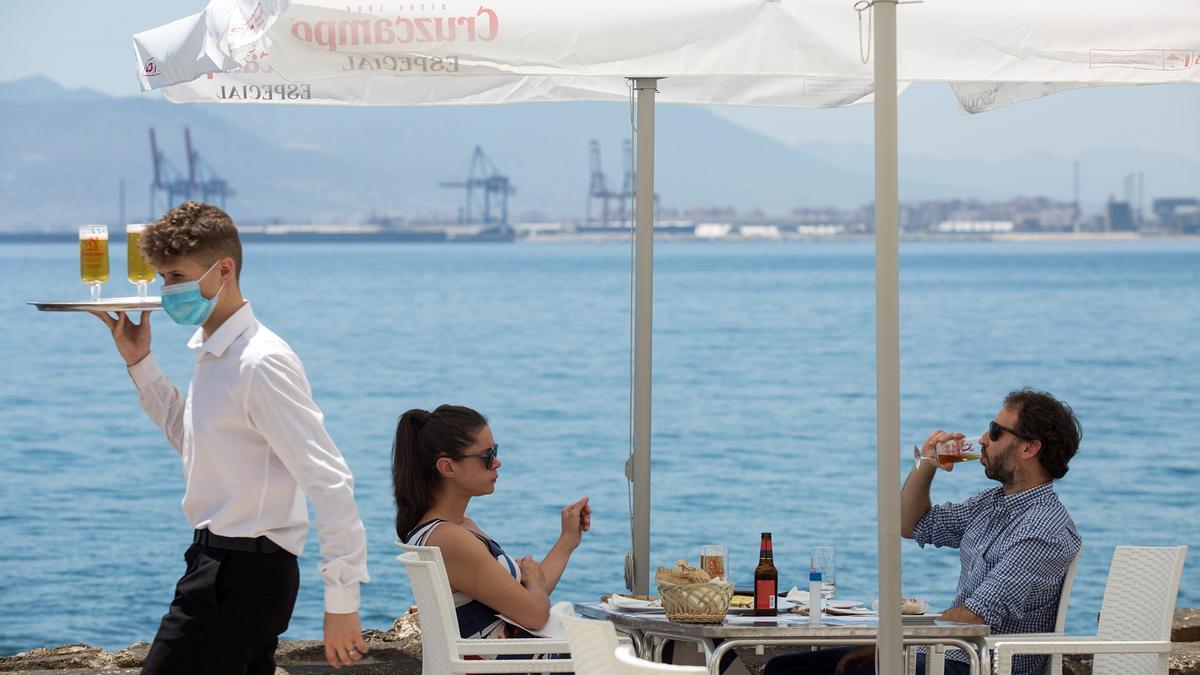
<point x="132" y="304"/>
<point x="635" y="610"/>
<point x="849" y="611"/>
<point x="926" y="608"/>
<point x="626" y="604"/>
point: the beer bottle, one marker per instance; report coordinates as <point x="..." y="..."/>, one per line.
<point x="766" y="580"/>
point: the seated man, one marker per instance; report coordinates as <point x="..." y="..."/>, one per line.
<point x="1015" y="541"/>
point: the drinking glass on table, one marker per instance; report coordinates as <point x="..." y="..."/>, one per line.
<point x="713" y="559"/>
<point x="823" y="561"/>
<point x="93" y="257"/>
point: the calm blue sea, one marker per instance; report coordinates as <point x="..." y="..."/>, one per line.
<point x="764" y="406"/>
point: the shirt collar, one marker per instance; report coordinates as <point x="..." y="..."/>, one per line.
<point x="230" y="330"/>
<point x="1019" y="501"/>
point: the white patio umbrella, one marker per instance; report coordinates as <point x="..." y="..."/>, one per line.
<point x="743" y="52"/>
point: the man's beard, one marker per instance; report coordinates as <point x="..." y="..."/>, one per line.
<point x="998" y="468"/>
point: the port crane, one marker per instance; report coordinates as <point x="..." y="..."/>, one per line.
<point x="200" y="181"/>
<point x="487" y="192"/>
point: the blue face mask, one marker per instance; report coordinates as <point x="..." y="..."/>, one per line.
<point x="184" y="303"/>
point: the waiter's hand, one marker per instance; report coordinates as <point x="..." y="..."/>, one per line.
<point x="133" y="339"/>
<point x="860" y="657"/>
<point x="344" y="644"/>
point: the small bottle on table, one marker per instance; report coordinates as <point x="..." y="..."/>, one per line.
<point x="766" y="580"/>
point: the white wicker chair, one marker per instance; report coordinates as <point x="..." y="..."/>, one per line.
<point x="442" y="650"/>
<point x="935" y="654"/>
<point x="631" y="665"/>
<point x="1060" y="622"/>
<point x="1134" y="635"/>
<point x="592" y="642"/>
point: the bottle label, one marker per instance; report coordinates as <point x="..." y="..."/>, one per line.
<point x="764" y="594"/>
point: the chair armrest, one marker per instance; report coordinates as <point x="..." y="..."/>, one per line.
<point x="513" y="646"/>
<point x="991" y="640"/>
<point x="510" y="666"/>
<point x="1005" y="650"/>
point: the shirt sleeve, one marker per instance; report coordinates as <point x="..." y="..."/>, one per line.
<point x="1029" y="575"/>
<point x="944" y="524"/>
<point x="160" y="399"/>
<point x="280" y="405"/>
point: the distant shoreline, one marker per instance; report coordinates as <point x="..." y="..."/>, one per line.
<point x="594" y="237"/>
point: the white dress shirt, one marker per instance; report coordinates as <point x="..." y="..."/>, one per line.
<point x="254" y="444"/>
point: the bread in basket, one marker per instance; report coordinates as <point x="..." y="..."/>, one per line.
<point x="690" y="596"/>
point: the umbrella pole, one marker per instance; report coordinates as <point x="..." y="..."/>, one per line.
<point x="887" y="338"/>
<point x="643" y="319"/>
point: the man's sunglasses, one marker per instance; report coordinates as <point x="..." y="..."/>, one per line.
<point x="488" y="456"/>
<point x="994" y="431"/>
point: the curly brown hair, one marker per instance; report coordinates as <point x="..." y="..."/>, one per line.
<point x="194" y="229"/>
<point x="1042" y="417"/>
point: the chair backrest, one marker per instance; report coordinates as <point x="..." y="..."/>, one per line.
<point x="1060" y="621"/>
<point x="1054" y="666"/>
<point x="1139" y="604"/>
<point x="593" y="643"/>
<point x="435" y="606"/>
<point x="632" y="665"/>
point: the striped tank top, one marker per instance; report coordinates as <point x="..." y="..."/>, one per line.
<point x="475" y="619"/>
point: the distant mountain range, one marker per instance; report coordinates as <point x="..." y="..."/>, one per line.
<point x="63" y="152"/>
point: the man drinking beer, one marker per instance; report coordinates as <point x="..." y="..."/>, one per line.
<point x="1016" y="540"/>
<point x="253" y="443"/>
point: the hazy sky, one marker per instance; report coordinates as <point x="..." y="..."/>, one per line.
<point x="88" y="43"/>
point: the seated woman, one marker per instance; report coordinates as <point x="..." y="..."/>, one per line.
<point x="440" y="460"/>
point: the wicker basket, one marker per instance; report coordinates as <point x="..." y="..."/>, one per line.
<point x="696" y="603"/>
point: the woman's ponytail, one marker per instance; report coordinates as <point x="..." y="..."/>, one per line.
<point x="421" y="438"/>
<point x="411" y="486"/>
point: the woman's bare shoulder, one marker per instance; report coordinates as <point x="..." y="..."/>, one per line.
<point x="454" y="538"/>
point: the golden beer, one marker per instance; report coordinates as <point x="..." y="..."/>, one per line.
<point x="140" y="271"/>
<point x="714" y="565"/>
<point x="93" y="254"/>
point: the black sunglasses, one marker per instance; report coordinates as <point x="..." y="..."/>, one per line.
<point x="488" y="456"/>
<point x="995" y="429"/>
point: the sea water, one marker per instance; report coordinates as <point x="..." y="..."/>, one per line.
<point x="763" y="407"/>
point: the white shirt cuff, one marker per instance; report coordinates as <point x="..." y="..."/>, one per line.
<point x="145" y="371"/>
<point x="341" y="599"/>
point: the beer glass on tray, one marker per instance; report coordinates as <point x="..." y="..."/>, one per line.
<point x="140" y="272"/>
<point x="93" y="257"/>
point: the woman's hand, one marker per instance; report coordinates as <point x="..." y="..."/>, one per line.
<point x="532" y="574"/>
<point x="576" y="519"/>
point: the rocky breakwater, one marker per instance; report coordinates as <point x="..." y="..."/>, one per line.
<point x="393" y="651"/>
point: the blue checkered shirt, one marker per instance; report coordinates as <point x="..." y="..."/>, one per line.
<point x="1014" y="550"/>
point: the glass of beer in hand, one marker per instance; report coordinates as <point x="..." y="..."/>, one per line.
<point x="140" y="272"/>
<point x="93" y="257"/>
<point x="948" y="453"/>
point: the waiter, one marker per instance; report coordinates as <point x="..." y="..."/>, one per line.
<point x="253" y="445"/>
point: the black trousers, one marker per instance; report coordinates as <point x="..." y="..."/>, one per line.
<point x="824" y="661"/>
<point x="229" y="610"/>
